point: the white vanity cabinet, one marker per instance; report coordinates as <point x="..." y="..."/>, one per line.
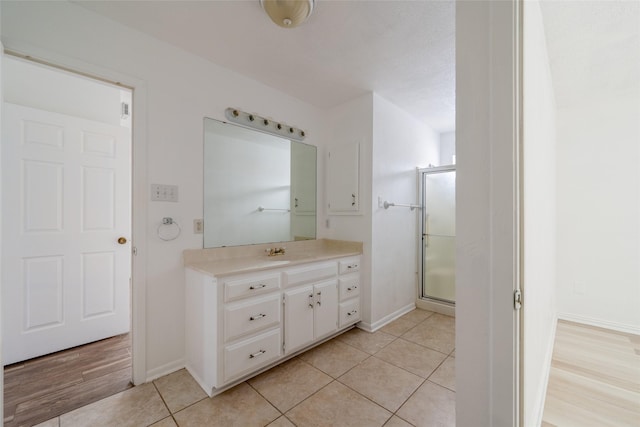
<point x="239" y="325"/>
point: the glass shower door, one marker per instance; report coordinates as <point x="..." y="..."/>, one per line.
<point x="438" y="233"/>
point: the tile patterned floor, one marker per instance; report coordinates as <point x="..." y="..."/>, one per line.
<point x="402" y="375"/>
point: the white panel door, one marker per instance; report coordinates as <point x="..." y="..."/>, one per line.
<point x="66" y="194"/>
<point x="343" y="179"/>
<point x="298" y="317"/>
<point x="326" y="311"/>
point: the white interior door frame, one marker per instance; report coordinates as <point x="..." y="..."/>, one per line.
<point x="138" y="185"/>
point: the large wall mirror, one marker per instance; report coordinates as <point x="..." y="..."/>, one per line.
<point x="258" y="188"/>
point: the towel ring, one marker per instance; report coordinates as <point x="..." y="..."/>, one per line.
<point x="168" y="229"/>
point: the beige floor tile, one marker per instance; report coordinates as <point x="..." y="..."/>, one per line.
<point x="445" y="375"/>
<point x="431" y="405"/>
<point x="334" y="357"/>
<point x="337" y="405"/>
<point x="398" y="327"/>
<point x="416" y="316"/>
<point x="437" y="339"/>
<point x="366" y="341"/>
<point x="240" y="406"/>
<point x="453" y="353"/>
<point x="397" y="422"/>
<point x="441" y="321"/>
<point x="385" y="384"/>
<point x="137" y="406"/>
<point x="179" y="390"/>
<point x="282" y="422"/>
<point x="54" y="422"/>
<point x="290" y="383"/>
<point x="167" y="422"/>
<point x="414" y="358"/>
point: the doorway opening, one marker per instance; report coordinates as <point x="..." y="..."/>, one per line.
<point x="437" y="187"/>
<point x="67" y="227"/>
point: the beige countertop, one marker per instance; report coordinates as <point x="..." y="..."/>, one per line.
<point x="221" y="262"/>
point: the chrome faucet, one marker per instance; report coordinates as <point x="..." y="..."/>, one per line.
<point x="274" y="251"/>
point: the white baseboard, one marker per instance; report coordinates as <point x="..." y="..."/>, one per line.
<point x="606" y="324"/>
<point x="372" y="327"/>
<point x="163" y="370"/>
<point x="541" y="399"/>
<point x="437" y="307"/>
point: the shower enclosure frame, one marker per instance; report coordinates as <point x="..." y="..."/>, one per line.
<point x="423" y="301"/>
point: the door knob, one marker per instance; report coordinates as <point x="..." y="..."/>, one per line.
<point x="122" y="240"/>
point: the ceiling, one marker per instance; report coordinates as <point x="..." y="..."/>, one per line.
<point x="402" y="50"/>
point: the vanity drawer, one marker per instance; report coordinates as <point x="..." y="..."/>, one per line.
<point x="236" y="288"/>
<point x="349" y="312"/>
<point x="310" y="273"/>
<point x="349" y="286"/>
<point x="349" y="265"/>
<point x="246" y="317"/>
<point x="248" y="355"/>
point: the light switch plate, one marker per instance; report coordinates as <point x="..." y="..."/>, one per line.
<point x="198" y="226"/>
<point x="164" y="193"/>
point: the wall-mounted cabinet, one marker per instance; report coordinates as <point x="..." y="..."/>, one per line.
<point x="343" y="179"/>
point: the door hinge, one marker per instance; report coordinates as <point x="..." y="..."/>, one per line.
<point x="134" y="250"/>
<point x="283" y="348"/>
<point x="517" y="299"/>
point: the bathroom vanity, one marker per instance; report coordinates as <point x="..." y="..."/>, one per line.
<point x="247" y="311"/>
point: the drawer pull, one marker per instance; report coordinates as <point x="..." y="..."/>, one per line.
<point x="351" y="313"/>
<point x="254" y="355"/>
<point x="257" y="316"/>
<point x="319" y="298"/>
<point x="260" y="286"/>
<point x="352" y="288"/>
<point x="352" y="266"/>
<point x="311" y="300"/>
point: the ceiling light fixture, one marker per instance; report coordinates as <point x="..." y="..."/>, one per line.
<point x="288" y="13"/>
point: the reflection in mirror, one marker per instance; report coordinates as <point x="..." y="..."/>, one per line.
<point x="258" y="188"/>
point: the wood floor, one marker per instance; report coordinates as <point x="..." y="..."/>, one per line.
<point x="594" y="378"/>
<point x="39" y="389"/>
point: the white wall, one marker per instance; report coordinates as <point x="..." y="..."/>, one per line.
<point x="352" y="123"/>
<point x="486" y="91"/>
<point x="180" y="90"/>
<point x="400" y="145"/>
<point x="447" y="148"/>
<point x="539" y="215"/>
<point x="392" y="145"/>
<point x="599" y="211"/>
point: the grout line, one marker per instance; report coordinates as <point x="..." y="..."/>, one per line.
<point x="165" y="404"/>
<point x="265" y="398"/>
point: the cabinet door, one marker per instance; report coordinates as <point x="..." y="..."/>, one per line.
<point x="298" y="313"/>
<point x="343" y="179"/>
<point x="326" y="308"/>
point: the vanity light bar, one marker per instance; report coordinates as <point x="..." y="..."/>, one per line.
<point x="264" y="125"/>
